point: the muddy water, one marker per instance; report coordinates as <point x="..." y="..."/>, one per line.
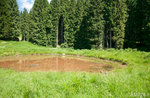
<point x="53" y="63"/>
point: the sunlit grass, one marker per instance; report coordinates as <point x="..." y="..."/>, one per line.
<point x="132" y="81"/>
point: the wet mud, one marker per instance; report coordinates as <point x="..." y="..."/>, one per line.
<point x="56" y="63"/>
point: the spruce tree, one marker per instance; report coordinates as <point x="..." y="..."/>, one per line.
<point x="137" y="27"/>
<point x="143" y="24"/>
<point x="69" y="23"/>
<point x="5" y="31"/>
<point x="39" y="15"/>
<point x="79" y="13"/>
<point x="54" y="5"/>
<point x="97" y="23"/>
<point x="131" y="25"/>
<point x="14" y="15"/>
<point x="92" y="26"/>
<point x="81" y="38"/>
<point x="9" y="27"/>
<point x="116" y="17"/>
<point x="120" y="18"/>
<point x="25" y="25"/>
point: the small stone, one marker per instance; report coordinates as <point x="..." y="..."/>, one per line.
<point x="3" y="42"/>
<point x="63" y="54"/>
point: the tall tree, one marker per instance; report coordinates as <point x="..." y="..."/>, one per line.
<point x="5" y="31"/>
<point x="79" y="14"/>
<point x="10" y="20"/>
<point x="81" y="38"/>
<point x="39" y="15"/>
<point x="116" y="17"/>
<point x="131" y="25"/>
<point x="69" y="23"/>
<point x="137" y="29"/>
<point x="143" y="24"/>
<point x="54" y="4"/>
<point x="92" y="26"/>
<point x="14" y="14"/>
<point x="97" y="23"/>
<point x="25" y="25"/>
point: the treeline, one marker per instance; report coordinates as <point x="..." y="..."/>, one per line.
<point x="80" y="24"/>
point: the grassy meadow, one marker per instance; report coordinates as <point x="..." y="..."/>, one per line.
<point x="130" y="82"/>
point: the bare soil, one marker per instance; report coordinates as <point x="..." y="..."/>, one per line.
<point x="55" y="63"/>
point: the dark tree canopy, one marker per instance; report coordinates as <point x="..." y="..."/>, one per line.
<point x="9" y="20"/>
<point x="80" y="24"/>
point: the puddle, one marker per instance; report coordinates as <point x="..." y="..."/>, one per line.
<point x="56" y="63"/>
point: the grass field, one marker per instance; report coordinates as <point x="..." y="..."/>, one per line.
<point x="132" y="81"/>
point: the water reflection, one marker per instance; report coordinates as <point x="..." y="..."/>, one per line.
<point x="49" y="63"/>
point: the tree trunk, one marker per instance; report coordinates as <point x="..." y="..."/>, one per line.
<point x="104" y="41"/>
<point x="110" y="40"/>
<point x="57" y="36"/>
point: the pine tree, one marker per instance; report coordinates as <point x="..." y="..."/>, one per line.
<point x="97" y="23"/>
<point x="25" y="25"/>
<point x="92" y="26"/>
<point x="131" y="25"/>
<point x="107" y="39"/>
<point x="137" y="29"/>
<point x="143" y="24"/>
<point x="79" y="13"/>
<point x="120" y="18"/>
<point x="4" y="20"/>
<point x="116" y="17"/>
<point x="14" y="15"/>
<point x="69" y="23"/>
<point x="10" y="20"/>
<point x="54" y="4"/>
<point x="39" y="15"/>
<point x="81" y="38"/>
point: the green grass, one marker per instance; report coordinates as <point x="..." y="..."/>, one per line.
<point x="130" y="82"/>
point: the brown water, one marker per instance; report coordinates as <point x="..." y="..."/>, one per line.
<point x="53" y="63"/>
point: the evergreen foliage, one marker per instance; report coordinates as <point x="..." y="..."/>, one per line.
<point x="115" y="17"/>
<point x="54" y="4"/>
<point x="138" y="29"/>
<point x="4" y="20"/>
<point x="25" y="25"/>
<point x="9" y="17"/>
<point x="80" y="24"/>
<point x="40" y="21"/>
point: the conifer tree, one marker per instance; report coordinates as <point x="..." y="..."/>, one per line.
<point x="69" y="23"/>
<point x="54" y="5"/>
<point x="10" y="20"/>
<point x="143" y="24"/>
<point x="120" y="18"/>
<point x="14" y="15"/>
<point x="131" y="25"/>
<point x="97" y="23"/>
<point x="39" y="16"/>
<point x="116" y="17"/>
<point x="25" y="25"/>
<point x="92" y="26"/>
<point x="137" y="26"/>
<point x="79" y="13"/>
<point x="5" y="31"/>
<point x="81" y="38"/>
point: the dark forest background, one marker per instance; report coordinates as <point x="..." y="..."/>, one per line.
<point x="79" y="24"/>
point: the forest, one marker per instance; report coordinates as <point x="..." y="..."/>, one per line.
<point x="75" y="49"/>
<point x="79" y="24"/>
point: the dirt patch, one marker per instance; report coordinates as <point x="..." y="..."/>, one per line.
<point x="55" y="63"/>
